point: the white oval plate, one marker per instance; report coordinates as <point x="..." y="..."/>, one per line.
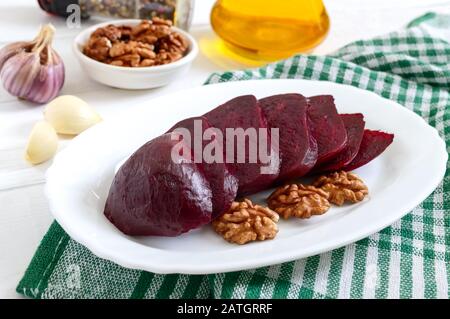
<point x="398" y="180"/>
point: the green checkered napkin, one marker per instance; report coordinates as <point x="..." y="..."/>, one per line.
<point x="410" y="259"/>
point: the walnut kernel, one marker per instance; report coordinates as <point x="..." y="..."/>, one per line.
<point x="152" y="42"/>
<point x="245" y="222"/>
<point x="342" y="186"/>
<point x="299" y="201"/>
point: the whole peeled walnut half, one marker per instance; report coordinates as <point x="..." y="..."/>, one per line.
<point x="245" y="222"/>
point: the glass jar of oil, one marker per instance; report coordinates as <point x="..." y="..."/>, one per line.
<point x="268" y="29"/>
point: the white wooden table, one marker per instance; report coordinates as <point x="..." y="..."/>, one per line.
<point x="24" y="214"/>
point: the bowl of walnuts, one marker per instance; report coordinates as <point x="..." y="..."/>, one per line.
<point x="135" y="54"/>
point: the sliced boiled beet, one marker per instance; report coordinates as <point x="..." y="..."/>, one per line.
<point x="223" y="184"/>
<point x="298" y="151"/>
<point x="354" y="125"/>
<point x="154" y="195"/>
<point x="243" y="112"/>
<point x="326" y="127"/>
<point x="373" y="144"/>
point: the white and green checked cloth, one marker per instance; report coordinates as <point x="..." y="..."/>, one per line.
<point x="410" y="259"/>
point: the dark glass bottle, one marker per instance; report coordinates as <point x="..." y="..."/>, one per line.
<point x="179" y="11"/>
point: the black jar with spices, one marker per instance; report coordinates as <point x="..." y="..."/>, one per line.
<point x="178" y="11"/>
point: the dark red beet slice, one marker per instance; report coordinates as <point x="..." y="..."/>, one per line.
<point x="244" y="112"/>
<point x="373" y="144"/>
<point x="298" y="152"/>
<point x="223" y="184"/>
<point x="354" y="125"/>
<point x="326" y="127"/>
<point x="153" y="195"/>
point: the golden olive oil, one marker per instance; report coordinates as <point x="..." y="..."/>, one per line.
<point x="267" y="29"/>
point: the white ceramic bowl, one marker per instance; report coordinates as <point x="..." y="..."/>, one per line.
<point x="132" y="78"/>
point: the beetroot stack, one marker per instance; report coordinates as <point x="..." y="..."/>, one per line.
<point x="154" y="195"/>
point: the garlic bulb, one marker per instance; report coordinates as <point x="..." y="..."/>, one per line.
<point x="32" y="70"/>
<point x="42" y="143"/>
<point x="70" y="115"/>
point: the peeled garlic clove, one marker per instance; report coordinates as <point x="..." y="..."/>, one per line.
<point x="71" y="115"/>
<point x="42" y="143"/>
